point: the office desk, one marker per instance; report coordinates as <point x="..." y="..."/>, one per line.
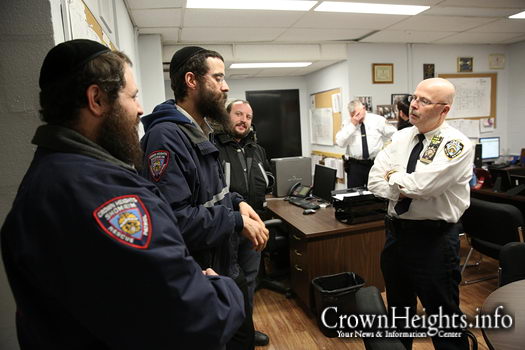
<point x="321" y="245"/>
<point x="511" y="296"/>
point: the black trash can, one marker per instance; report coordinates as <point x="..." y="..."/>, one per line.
<point x="338" y="291"/>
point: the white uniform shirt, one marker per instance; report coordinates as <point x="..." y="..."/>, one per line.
<point x="377" y="132"/>
<point x="440" y="189"/>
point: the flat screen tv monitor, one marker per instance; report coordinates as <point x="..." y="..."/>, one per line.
<point x="489" y="148"/>
<point x="324" y="182"/>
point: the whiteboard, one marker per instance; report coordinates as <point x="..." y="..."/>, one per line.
<point x="472" y="97"/>
<point x="475" y="95"/>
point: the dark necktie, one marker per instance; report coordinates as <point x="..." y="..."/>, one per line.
<point x="403" y="205"/>
<point x="366" y="155"/>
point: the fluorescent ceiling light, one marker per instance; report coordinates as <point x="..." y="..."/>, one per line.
<point x="363" y="7"/>
<point x="518" y="15"/>
<point x="287" y="5"/>
<point x="270" y="65"/>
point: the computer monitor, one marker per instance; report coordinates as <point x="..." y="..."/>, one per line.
<point x="324" y="182"/>
<point x="489" y="148"/>
<point x="289" y="171"/>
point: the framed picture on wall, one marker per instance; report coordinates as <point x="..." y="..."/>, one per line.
<point x="397" y="97"/>
<point x="465" y="64"/>
<point x="366" y="101"/>
<point x="428" y="70"/>
<point x="382" y="73"/>
<point x="386" y="111"/>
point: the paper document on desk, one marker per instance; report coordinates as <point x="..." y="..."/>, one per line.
<point x="341" y="196"/>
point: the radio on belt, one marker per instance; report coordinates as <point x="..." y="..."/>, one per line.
<point x="357" y="205"/>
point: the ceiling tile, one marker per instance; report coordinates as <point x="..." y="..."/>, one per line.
<point x="154" y="4"/>
<point x="484" y="3"/>
<point x="208" y="35"/>
<point x="347" y="20"/>
<point x="438" y="23"/>
<point x="239" y="18"/>
<point x="307" y="34"/>
<point x="157" y="18"/>
<point x="469" y="12"/>
<point x="404" y="36"/>
<point x="503" y="26"/>
<point x="514" y="40"/>
<point x="477" y="38"/>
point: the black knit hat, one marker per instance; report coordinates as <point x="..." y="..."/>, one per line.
<point x="66" y="58"/>
<point x="182" y="56"/>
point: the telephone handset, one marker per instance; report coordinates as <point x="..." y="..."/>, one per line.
<point x="300" y="191"/>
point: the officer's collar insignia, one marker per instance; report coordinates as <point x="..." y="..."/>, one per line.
<point x="157" y="163"/>
<point x="453" y="148"/>
<point x="430" y="152"/>
<point x="126" y="220"/>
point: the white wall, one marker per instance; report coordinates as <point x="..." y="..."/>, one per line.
<point x="25" y="40"/>
<point x="152" y="76"/>
<point x="332" y="77"/>
<point x="29" y="29"/>
<point x="445" y="59"/>
<point x="516" y="97"/>
<point x="127" y="39"/>
<point x="408" y="63"/>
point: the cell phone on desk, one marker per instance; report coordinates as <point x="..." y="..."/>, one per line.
<point x="299" y="191"/>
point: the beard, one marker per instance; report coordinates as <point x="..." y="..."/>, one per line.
<point x="120" y="137"/>
<point x="239" y="135"/>
<point x="211" y="105"/>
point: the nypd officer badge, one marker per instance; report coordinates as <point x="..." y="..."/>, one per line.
<point x="453" y="148"/>
<point x="126" y="220"/>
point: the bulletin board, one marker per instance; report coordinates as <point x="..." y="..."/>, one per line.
<point x="475" y="95"/>
<point x="83" y="25"/>
<point x="325" y="104"/>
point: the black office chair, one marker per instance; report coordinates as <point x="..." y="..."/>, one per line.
<point x="489" y="226"/>
<point x="275" y="262"/>
<point x="370" y="302"/>
<point x="511" y="263"/>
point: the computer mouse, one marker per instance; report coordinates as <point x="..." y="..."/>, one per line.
<point x="308" y="211"/>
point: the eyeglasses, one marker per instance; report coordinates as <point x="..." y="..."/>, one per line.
<point x="423" y="101"/>
<point x="219" y="78"/>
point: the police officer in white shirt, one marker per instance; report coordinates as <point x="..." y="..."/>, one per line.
<point x="363" y="136"/>
<point x="425" y="174"/>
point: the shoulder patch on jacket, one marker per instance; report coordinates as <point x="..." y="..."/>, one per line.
<point x="158" y="163"/>
<point x="453" y="148"/>
<point x="126" y="220"/>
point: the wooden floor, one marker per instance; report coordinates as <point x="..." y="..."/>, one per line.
<point x="290" y="328"/>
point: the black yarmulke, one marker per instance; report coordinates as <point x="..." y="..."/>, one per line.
<point x="180" y="57"/>
<point x="66" y="58"/>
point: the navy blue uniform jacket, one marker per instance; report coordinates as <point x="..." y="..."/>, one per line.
<point x="96" y="261"/>
<point x="185" y="165"/>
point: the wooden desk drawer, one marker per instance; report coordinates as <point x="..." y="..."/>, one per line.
<point x="298" y="250"/>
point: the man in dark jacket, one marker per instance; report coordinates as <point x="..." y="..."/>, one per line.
<point x="184" y="164"/>
<point x="247" y="173"/>
<point x="92" y="250"/>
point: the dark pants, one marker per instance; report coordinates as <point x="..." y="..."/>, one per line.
<point x="243" y="339"/>
<point x="421" y="259"/>
<point x="249" y="261"/>
<point x="357" y="172"/>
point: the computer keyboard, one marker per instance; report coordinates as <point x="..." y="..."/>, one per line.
<point x="304" y="203"/>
